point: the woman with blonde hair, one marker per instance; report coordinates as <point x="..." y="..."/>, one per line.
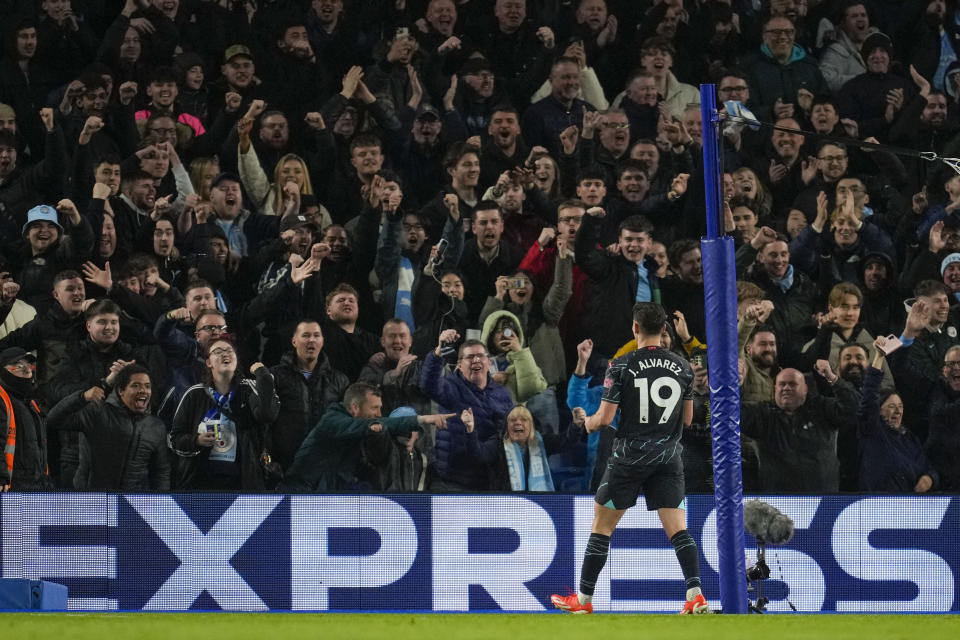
<point x="202" y="172"/>
<point x="291" y="180"/>
<point x="517" y="459"/>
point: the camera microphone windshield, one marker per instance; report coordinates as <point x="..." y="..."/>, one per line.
<point x="766" y="523"/>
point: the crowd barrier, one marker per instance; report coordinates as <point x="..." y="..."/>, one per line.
<point x="417" y="552"/>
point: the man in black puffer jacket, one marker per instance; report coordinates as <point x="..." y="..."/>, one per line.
<point x="95" y="361"/>
<point x="127" y="447"/>
<point x="307" y="385"/>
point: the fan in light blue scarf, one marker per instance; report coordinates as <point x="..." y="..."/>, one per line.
<point x="537" y="477"/>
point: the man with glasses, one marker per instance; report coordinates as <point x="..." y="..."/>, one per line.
<point x="23" y="431"/>
<point x="734" y="86"/>
<point x="780" y="71"/>
<point x="541" y="258"/>
<point x="605" y="141"/>
<point x="832" y="163"/>
<point x="470" y="387"/>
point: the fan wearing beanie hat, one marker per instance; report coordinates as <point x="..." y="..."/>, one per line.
<point x="875" y="98"/>
<point x="950" y="270"/>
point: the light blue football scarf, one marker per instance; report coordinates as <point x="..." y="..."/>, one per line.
<point x="538" y="477"/>
<point x="403" y="307"/>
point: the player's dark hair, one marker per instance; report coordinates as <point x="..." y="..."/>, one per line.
<point x="650" y="316"/>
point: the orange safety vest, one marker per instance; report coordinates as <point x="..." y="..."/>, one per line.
<point x="11" y="446"/>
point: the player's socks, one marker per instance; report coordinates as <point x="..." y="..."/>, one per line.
<point x="594" y="558"/>
<point x="686" y="550"/>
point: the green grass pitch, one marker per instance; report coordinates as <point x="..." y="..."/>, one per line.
<point x="401" y="626"/>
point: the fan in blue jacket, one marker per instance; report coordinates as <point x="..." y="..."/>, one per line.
<point x="470" y="386"/>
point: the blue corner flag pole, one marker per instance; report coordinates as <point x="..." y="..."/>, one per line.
<point x="720" y="302"/>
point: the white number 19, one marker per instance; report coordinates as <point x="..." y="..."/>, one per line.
<point x="653" y="392"/>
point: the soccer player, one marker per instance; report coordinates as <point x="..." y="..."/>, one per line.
<point x="653" y="389"/>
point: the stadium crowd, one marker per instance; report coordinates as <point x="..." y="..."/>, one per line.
<point x="387" y="245"/>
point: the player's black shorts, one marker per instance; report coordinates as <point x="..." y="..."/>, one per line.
<point x="661" y="485"/>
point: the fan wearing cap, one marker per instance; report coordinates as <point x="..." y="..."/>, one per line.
<point x="8" y="125"/>
<point x="238" y="76"/>
<point x="47" y="248"/>
<point x="23" y="432"/>
<point x="297" y="235"/>
<point x="875" y="98"/>
<point x="420" y="158"/>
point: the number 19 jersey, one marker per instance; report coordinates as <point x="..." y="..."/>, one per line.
<point x="650" y="385"/>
